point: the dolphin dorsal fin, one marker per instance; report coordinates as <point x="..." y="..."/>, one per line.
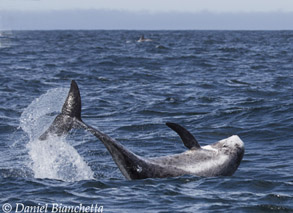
<point x="72" y="105"/>
<point x="187" y="138"/>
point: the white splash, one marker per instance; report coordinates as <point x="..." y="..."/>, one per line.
<point x="53" y="158"/>
<point x="39" y="115"/>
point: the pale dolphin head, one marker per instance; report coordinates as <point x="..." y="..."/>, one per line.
<point x="232" y="149"/>
<point x="229" y="146"/>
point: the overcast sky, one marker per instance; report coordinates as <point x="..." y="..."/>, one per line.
<point x="147" y="14"/>
<point x="153" y="5"/>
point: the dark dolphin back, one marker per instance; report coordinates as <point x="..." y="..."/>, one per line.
<point x="131" y="165"/>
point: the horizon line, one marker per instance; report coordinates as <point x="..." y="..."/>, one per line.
<point x="94" y="19"/>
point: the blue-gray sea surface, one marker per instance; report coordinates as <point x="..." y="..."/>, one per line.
<point x="214" y="83"/>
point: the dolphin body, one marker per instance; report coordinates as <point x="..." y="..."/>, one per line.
<point x="219" y="159"/>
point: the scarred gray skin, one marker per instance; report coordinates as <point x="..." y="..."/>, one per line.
<point x="219" y="159"/>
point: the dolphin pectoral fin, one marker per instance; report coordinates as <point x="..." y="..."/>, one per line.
<point x="187" y="138"/>
<point x="70" y="112"/>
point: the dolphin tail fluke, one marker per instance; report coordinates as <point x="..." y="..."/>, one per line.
<point x="187" y="138"/>
<point x="70" y="112"/>
<point x="72" y="105"/>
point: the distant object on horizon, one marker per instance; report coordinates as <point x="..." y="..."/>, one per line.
<point x="142" y="39"/>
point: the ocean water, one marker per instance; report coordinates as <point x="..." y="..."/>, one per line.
<point x="214" y="83"/>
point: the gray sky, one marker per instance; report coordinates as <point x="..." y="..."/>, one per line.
<point x="146" y="14"/>
<point x="153" y="5"/>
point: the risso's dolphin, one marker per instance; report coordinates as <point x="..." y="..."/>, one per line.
<point x="218" y="159"/>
